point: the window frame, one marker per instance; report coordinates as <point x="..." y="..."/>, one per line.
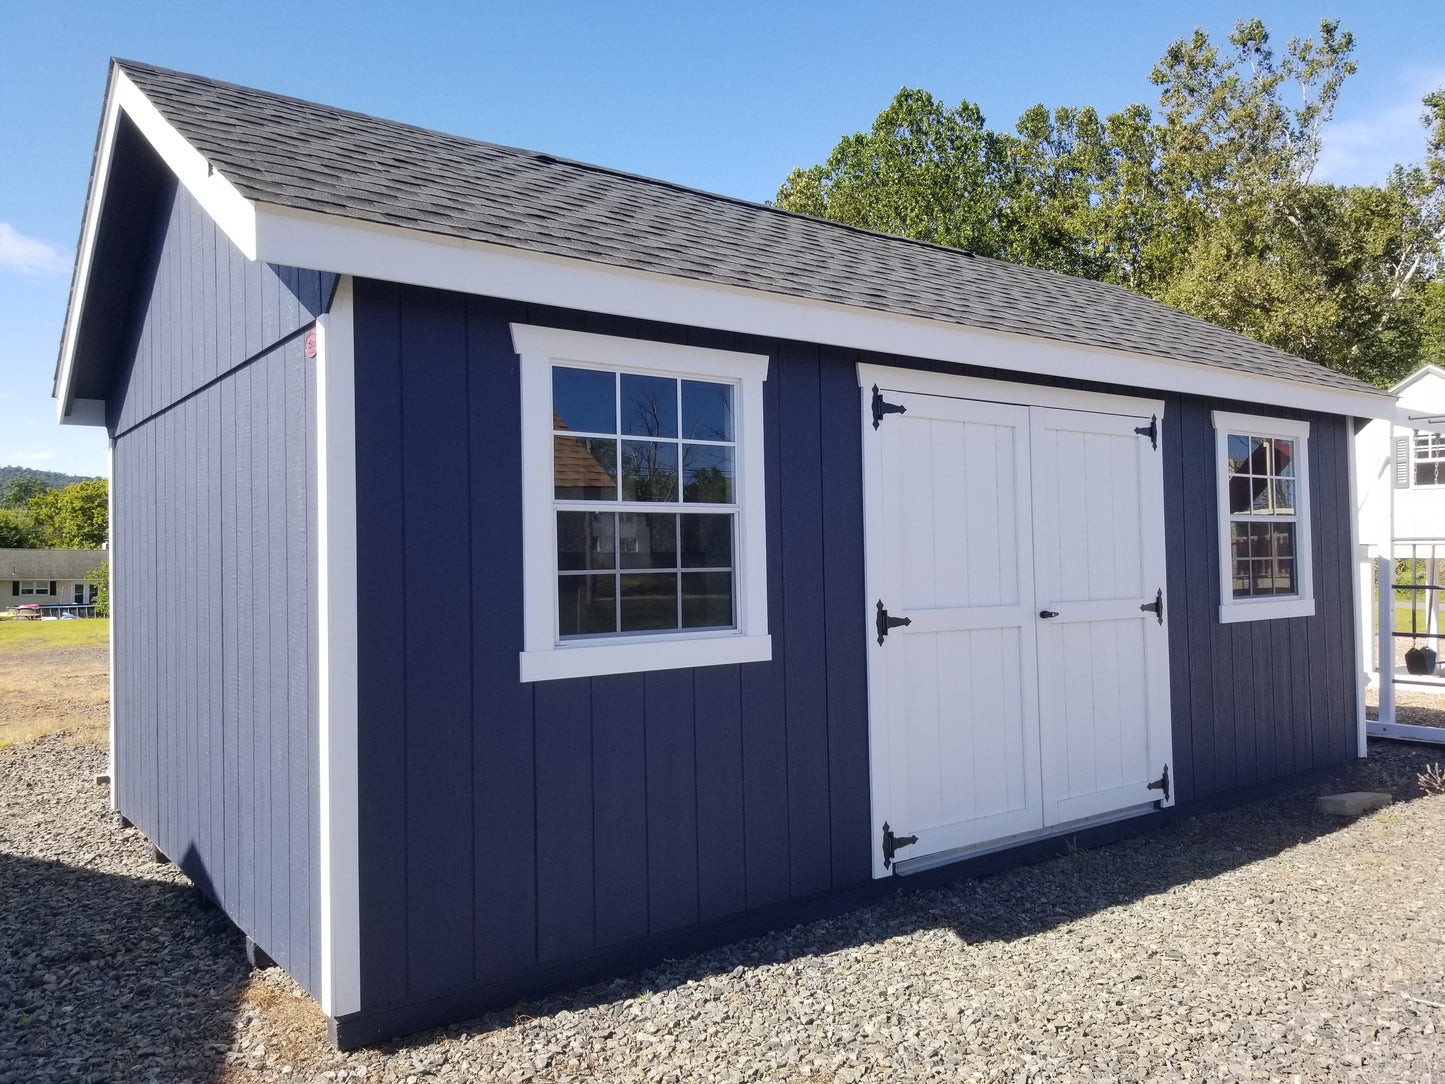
<point x="1302" y="602"/>
<point x="1431" y="441"/>
<point x="545" y="655"/>
<point x="36" y="588"/>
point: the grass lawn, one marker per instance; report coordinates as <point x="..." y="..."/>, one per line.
<point x="54" y="678"/>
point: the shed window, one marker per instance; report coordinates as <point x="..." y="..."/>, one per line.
<point x="643" y="509"/>
<point x="1263" y="485"/>
<point x="1429" y="455"/>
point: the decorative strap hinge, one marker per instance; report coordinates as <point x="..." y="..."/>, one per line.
<point x="1162" y="783"/>
<point x="1151" y="431"/>
<point x="883" y="622"/>
<point x="1157" y="605"/>
<point x="893" y="844"/>
<point x="881" y="408"/>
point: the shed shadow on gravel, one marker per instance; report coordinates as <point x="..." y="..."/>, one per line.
<point x="108" y="977"/>
<point x="1061" y="885"/>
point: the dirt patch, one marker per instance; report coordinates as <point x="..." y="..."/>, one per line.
<point x="54" y="689"/>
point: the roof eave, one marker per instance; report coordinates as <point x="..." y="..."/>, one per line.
<point x="323" y="242"/>
<point x="231" y="211"/>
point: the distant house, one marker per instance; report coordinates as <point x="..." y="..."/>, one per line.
<point x="49" y="578"/>
<point x="595" y="569"/>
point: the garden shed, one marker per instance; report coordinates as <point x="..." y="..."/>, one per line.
<point x="600" y="569"/>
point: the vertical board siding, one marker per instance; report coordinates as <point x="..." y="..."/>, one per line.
<point x="597" y="812"/>
<point x="203" y="309"/>
<point x="217" y="735"/>
<point x="1254" y="701"/>
<point x="600" y="813"/>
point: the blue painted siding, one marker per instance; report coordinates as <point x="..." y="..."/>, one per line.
<point x="514" y="835"/>
<point x="214" y="585"/>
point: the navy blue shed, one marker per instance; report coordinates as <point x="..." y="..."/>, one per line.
<point x="525" y="570"/>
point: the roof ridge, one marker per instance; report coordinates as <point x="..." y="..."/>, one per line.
<point x="577" y="163"/>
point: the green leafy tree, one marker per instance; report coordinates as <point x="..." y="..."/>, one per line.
<point x="75" y="517"/>
<point x="923" y="170"/>
<point x="1210" y="204"/>
<point x="18" y="530"/>
<point x="100" y="579"/>
<point x="21" y="489"/>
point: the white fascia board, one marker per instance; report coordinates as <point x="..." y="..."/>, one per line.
<point x="235" y="214"/>
<point x="393" y="254"/>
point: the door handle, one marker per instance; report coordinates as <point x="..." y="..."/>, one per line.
<point x="1048" y="613"/>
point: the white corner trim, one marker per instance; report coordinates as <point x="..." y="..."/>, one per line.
<point x="110" y="591"/>
<point x="336" y="539"/>
<point x="543" y="657"/>
<point x="1232" y="610"/>
<point x="331" y="243"/>
<point x="235" y="214"/>
<point x="1362" y="584"/>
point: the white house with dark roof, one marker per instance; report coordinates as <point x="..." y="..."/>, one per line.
<point x="51" y="579"/>
<point x="751" y="565"/>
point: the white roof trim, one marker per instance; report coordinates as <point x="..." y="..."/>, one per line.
<point x="1428" y="369"/>
<point x="235" y="214"/>
<point x="331" y="243"/>
<point x="321" y="242"/>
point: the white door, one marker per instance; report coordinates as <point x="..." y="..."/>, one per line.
<point x="987" y="719"/>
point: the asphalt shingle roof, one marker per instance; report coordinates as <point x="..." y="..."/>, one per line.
<point x="297" y="154"/>
<point x="21" y="564"/>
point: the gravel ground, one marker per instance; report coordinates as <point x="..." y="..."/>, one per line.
<point x="1262" y="943"/>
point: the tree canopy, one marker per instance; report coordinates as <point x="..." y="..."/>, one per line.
<point x="75" y="517"/>
<point x="1208" y="203"/>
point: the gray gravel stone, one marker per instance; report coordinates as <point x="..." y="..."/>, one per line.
<point x="1269" y="942"/>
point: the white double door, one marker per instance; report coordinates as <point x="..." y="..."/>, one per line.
<point x="1019" y="534"/>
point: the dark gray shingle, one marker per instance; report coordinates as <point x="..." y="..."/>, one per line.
<point x="292" y="153"/>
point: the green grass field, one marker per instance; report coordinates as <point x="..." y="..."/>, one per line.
<point x="43" y="635"/>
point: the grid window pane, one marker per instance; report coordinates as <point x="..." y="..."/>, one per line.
<point x="584" y="400"/>
<point x="586" y="541"/>
<point x="707" y="600"/>
<point x="649" y="471"/>
<point x="707" y="474"/>
<point x="707" y="541"/>
<point x="584" y="468"/>
<point x="707" y="410"/>
<point x="1264" y="559"/>
<point x="647" y="540"/>
<point x="586" y="605"/>
<point x="649" y="602"/>
<point x="649" y="406"/>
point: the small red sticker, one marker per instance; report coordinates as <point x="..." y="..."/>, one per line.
<point x="311" y="344"/>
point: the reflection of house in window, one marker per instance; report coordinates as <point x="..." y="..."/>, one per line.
<point x="586" y="469"/>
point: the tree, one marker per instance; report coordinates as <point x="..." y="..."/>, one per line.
<point x="100" y="580"/>
<point x="1210" y="205"/>
<point x="923" y="171"/>
<point x="75" y="517"/>
<point x="18" y="530"/>
<point x="20" y="489"/>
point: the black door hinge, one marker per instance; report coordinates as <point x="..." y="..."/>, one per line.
<point x="884" y="622"/>
<point x="1157" y="605"/>
<point x="1162" y="783"/>
<point x="893" y="844"/>
<point x="881" y="408"/>
<point x="1151" y="431"/>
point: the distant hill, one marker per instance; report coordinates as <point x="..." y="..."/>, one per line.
<point x="53" y="478"/>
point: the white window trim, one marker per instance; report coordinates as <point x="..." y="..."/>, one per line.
<point x="36" y="588"/>
<point x="544" y="657"/>
<point x="1302" y="604"/>
<point x="1416" y="458"/>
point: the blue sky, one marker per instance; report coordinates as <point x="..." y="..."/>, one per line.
<point x="725" y="97"/>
